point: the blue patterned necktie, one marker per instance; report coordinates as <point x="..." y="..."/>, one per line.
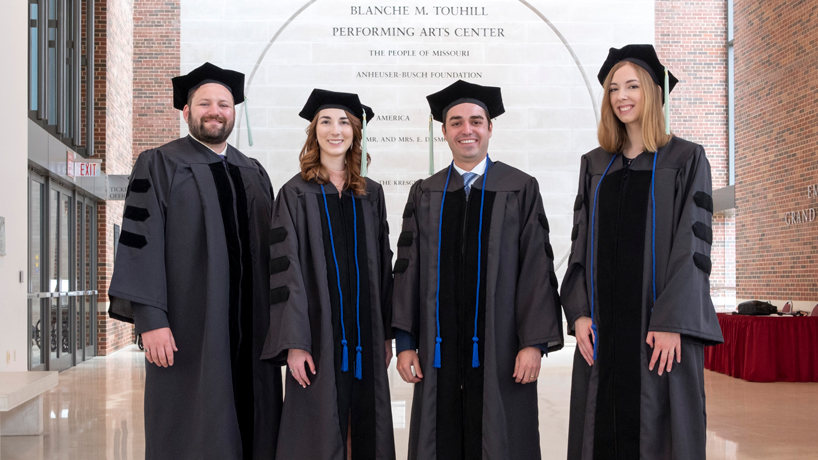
<point x="468" y="178"/>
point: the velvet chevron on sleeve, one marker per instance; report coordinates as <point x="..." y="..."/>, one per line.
<point x="574" y="291"/>
<point x="331" y="296"/>
<point x="481" y="271"/>
<point x="684" y="305"/>
<point x="192" y="256"/>
<point x="641" y="225"/>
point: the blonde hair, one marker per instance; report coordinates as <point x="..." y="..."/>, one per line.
<point x="612" y="133"/>
<point x="310" y="157"/>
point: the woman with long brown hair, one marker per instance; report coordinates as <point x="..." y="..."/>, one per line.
<point x="331" y="274"/>
<point x="636" y="291"/>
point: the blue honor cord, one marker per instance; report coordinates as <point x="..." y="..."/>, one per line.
<point x="475" y="356"/>
<point x="652" y="243"/>
<point x="358" y="364"/>
<point x="653" y="224"/>
<point x="345" y="358"/>
<point x="437" y="289"/>
<point x="475" y="359"/>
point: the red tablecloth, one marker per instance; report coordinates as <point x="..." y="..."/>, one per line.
<point x="766" y="348"/>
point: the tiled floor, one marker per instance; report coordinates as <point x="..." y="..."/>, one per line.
<point x="96" y="413"/>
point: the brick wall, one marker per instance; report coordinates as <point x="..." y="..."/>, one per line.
<point x="84" y="72"/>
<point x="776" y="67"/>
<point x="137" y="54"/>
<point x="111" y="334"/>
<point x="156" y="41"/>
<point x="691" y="39"/>
<point x="113" y="94"/>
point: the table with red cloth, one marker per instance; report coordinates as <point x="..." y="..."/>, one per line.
<point x="766" y="348"/>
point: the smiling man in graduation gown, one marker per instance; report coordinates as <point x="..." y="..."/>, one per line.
<point x="482" y="321"/>
<point x="191" y="274"/>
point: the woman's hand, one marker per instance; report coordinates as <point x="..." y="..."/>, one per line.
<point x="585" y="338"/>
<point x="665" y="346"/>
<point x="295" y="361"/>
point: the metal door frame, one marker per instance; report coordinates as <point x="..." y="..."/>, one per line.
<point x="64" y="360"/>
<point x="88" y="296"/>
<point x="45" y="297"/>
<point x="35" y="302"/>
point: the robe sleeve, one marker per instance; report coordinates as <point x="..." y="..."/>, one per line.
<point x="386" y="268"/>
<point x="406" y="294"/>
<point x="684" y="306"/>
<point x="289" y="317"/>
<point x="537" y="311"/>
<point x="147" y="318"/>
<point x="404" y="341"/>
<point x="574" y="294"/>
<point x="139" y="269"/>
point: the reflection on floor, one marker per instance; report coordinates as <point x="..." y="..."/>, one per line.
<point x="96" y="413"/>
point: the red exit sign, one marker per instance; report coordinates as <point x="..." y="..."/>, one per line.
<point x="74" y="168"/>
<point x="86" y="169"/>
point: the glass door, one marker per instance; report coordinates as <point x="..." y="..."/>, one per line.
<point x="84" y="293"/>
<point x="62" y="295"/>
<point x="89" y="279"/>
<point x="37" y="211"/>
<point x="80" y="253"/>
<point x="60" y="251"/>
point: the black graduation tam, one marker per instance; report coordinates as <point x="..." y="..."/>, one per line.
<point x="369" y="113"/>
<point x="321" y="99"/>
<point x="488" y="97"/>
<point x="207" y="73"/>
<point x="642" y="55"/>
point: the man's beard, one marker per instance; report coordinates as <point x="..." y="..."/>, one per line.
<point x="213" y="136"/>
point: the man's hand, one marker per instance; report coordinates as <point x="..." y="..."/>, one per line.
<point x="527" y="365"/>
<point x="295" y="361"/>
<point x="585" y="338"/>
<point x="388" y="353"/>
<point x="159" y="346"/>
<point x="665" y="346"/>
<point x="408" y="359"/>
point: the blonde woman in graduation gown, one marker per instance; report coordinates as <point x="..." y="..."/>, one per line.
<point x="636" y="292"/>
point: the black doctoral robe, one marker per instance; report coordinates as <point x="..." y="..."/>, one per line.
<point x="305" y="314"/>
<point x="458" y="411"/>
<point x="620" y="409"/>
<point x="192" y="255"/>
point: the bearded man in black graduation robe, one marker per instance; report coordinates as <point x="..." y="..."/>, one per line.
<point x="191" y="274"/>
<point x="475" y="376"/>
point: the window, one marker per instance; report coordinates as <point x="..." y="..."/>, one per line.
<point x="56" y="69"/>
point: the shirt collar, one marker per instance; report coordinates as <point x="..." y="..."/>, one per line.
<point x="479" y="169"/>
<point x="222" y="153"/>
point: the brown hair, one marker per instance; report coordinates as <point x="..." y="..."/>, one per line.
<point x="612" y="133"/>
<point x="310" y="158"/>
